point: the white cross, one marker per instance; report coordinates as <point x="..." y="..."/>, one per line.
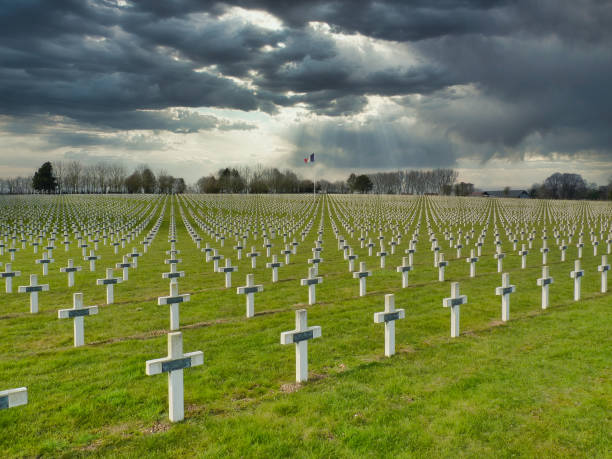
<point x="249" y="290"/>
<point x="454" y="302"/>
<point x="134" y="256"/>
<point x="207" y="251"/>
<point x="544" y="251"/>
<point x="410" y="253"/>
<point x="604" y="267"/>
<point x="238" y="248"/>
<point x="544" y="282"/>
<point x="44" y="261"/>
<point x="300" y="337"/>
<point x="388" y="317"/>
<point x="125" y="265"/>
<point x="523" y="253"/>
<point x="580" y="245"/>
<point x="13" y="397"/>
<point x="253" y="256"/>
<point x="8" y="277"/>
<point x="215" y="259"/>
<point x="274" y="265"/>
<point x="228" y="269"/>
<point x="287" y="253"/>
<point x="315" y="263"/>
<point x="577" y="274"/>
<point x="351" y="257"/>
<point x="311" y="282"/>
<point x="109" y="281"/>
<point x="174" y="299"/>
<point x="563" y="248"/>
<point x="174" y="365"/>
<point x="78" y="313"/>
<point x="500" y="258"/>
<point x="404" y="269"/>
<point x="70" y="269"/>
<point x="173" y="275"/>
<point x="362" y="275"/>
<point x="92" y="260"/>
<point x="442" y="264"/>
<point x="505" y="290"/>
<point x="472" y="260"/>
<point x="33" y="290"/>
<point x="383" y="255"/>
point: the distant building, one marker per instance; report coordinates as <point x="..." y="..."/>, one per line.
<point x="520" y="194"/>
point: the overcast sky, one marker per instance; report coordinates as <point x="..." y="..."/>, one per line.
<point x="506" y="92"/>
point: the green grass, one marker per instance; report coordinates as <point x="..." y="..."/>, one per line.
<point x="539" y="385"/>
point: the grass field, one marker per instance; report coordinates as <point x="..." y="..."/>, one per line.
<point x="537" y="385"/>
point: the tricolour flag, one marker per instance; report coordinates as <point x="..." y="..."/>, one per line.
<point x="311" y="159"/>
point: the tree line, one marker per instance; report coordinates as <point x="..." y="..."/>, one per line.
<point x="570" y="186"/>
<point x="102" y="177"/>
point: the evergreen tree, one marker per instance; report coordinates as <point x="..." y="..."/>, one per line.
<point x="43" y="179"/>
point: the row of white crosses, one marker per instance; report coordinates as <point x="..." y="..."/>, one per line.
<point x="176" y="361"/>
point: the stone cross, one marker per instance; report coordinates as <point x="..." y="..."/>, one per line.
<point x="78" y="313"/>
<point x="300" y="337"/>
<point x="228" y="269"/>
<point x="125" y="265"/>
<point x="253" y="256"/>
<point x="311" y="282"/>
<point x="249" y="290"/>
<point x="459" y="246"/>
<point x="12" y="251"/>
<point x="287" y="253"/>
<point x="595" y="244"/>
<point x="207" y="251"/>
<point x="8" y="277"/>
<point x="577" y="275"/>
<point x="134" y="256"/>
<point x="110" y="282"/>
<point x="500" y="259"/>
<point x="44" y="261"/>
<point x="604" y="267"/>
<point x="382" y="254"/>
<point x="388" y="317"/>
<point x="13" y="397"/>
<point x="472" y="261"/>
<point x="174" y="299"/>
<point x="404" y="269"/>
<point x="238" y="248"/>
<point x="370" y="245"/>
<point x="274" y="265"/>
<point x="544" y="251"/>
<point x="544" y="282"/>
<point x="454" y="302"/>
<point x="174" y="365"/>
<point x="173" y="275"/>
<point x="215" y="259"/>
<point x="362" y="275"/>
<point x="505" y="290"/>
<point x="33" y="290"/>
<point x="351" y="257"/>
<point x="523" y="253"/>
<point x="70" y="270"/>
<point x="563" y="248"/>
<point x="580" y="245"/>
<point x="410" y="253"/>
<point x="315" y="264"/>
<point x="442" y="264"/>
<point x="92" y="260"/>
<point x="268" y="246"/>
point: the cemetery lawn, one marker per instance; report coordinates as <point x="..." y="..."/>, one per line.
<point x="539" y="385"/>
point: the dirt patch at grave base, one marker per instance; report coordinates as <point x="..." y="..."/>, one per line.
<point x="157" y="427"/>
<point x="289" y="388"/>
<point x="93" y="446"/>
<point x="496" y="323"/>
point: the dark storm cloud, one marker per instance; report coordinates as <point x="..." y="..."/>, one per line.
<point x="537" y="73"/>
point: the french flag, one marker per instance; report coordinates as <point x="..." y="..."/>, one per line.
<point x="309" y="160"/>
